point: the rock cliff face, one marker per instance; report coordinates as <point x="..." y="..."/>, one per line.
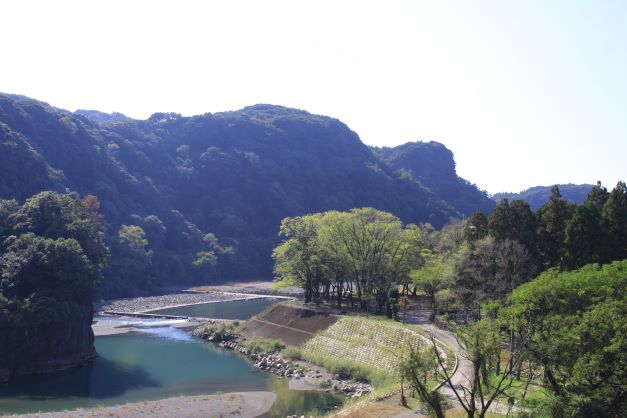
<point x="46" y="349"/>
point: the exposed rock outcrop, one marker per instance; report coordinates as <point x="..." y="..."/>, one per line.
<point x="46" y="349"/>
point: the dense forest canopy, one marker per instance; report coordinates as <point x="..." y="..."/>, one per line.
<point x="214" y="184"/>
<point x="367" y="253"/>
<point x="535" y="297"/>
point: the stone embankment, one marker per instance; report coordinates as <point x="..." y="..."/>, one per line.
<point x="276" y="364"/>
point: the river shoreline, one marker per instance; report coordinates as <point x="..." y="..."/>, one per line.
<point x="237" y="404"/>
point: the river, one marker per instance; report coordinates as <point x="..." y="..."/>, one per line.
<point x="157" y="363"/>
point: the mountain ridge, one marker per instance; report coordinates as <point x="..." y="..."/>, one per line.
<point x="234" y="174"/>
<point x="537" y="196"/>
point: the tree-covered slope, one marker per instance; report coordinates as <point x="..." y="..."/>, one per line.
<point x="539" y="195"/>
<point x="51" y="259"/>
<point x="235" y="174"/>
<point x="432" y="165"/>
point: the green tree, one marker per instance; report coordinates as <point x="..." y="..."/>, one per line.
<point x="552" y="218"/>
<point x="577" y="326"/>
<point x="476" y="227"/>
<point x="585" y="240"/>
<point x="51" y="261"/>
<point x="297" y="260"/>
<point x="598" y="196"/>
<point x="490" y="271"/>
<point x="481" y="345"/>
<point x="614" y="216"/>
<point x="430" y="276"/>
<point x="419" y="368"/>
<point x="513" y="221"/>
<point x="133" y="237"/>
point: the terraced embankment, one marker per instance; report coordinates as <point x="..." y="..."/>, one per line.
<point x="293" y="326"/>
<point x="376" y="343"/>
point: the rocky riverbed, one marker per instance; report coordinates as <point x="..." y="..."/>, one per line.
<point x="151" y="303"/>
<point x="302" y="375"/>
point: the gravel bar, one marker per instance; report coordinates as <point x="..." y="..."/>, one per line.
<point x="151" y="303"/>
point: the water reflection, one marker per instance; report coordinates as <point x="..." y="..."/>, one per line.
<point x="296" y="402"/>
<point x="92" y="381"/>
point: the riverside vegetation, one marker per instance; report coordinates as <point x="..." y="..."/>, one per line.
<point x="564" y="330"/>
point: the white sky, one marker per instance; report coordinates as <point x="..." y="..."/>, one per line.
<point x="523" y="92"/>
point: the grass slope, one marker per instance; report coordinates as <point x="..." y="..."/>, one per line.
<point x="376" y="343"/>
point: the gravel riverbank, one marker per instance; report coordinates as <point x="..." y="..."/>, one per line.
<point x="237" y="404"/>
<point x="151" y="303"/>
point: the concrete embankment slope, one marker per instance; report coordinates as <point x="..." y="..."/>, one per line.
<point x="293" y="326"/>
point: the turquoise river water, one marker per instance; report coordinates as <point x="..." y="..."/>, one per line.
<point x="158" y="363"/>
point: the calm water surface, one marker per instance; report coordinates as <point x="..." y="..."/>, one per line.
<point x="165" y="363"/>
<point x="237" y="309"/>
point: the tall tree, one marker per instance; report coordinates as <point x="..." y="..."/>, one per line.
<point x="513" y="221"/>
<point x="490" y="271"/>
<point x="614" y="215"/>
<point x="297" y="260"/>
<point x="585" y="239"/>
<point x="598" y="196"/>
<point x="476" y="227"/>
<point x="551" y="220"/>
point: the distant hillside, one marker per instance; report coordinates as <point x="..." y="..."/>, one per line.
<point x="432" y="165"/>
<point x="101" y="117"/>
<point x="234" y="174"/>
<point x="538" y="195"/>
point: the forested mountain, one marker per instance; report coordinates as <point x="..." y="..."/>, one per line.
<point x="539" y="195"/>
<point x="432" y="165"/>
<point x="183" y="192"/>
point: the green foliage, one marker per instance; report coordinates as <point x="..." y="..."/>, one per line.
<point x="614" y="215"/>
<point x="236" y="174"/>
<point x="515" y="222"/>
<point x="262" y="346"/>
<point x="133" y="237"/>
<point x="476" y="227"/>
<point x="52" y="260"/>
<point x="584" y="241"/>
<point x="292" y="353"/>
<point x="431" y="164"/>
<point x="429" y="278"/>
<point x="552" y="218"/>
<point x="365" y="247"/>
<point x="352" y="370"/>
<point x="578" y="324"/>
<point x="491" y="270"/>
<point x="420" y="368"/>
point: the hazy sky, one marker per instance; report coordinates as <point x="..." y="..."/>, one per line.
<point x="523" y="92"/>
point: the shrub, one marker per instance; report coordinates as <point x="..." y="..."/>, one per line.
<point x="263" y="346"/>
<point x="350" y="370"/>
<point x="292" y="353"/>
